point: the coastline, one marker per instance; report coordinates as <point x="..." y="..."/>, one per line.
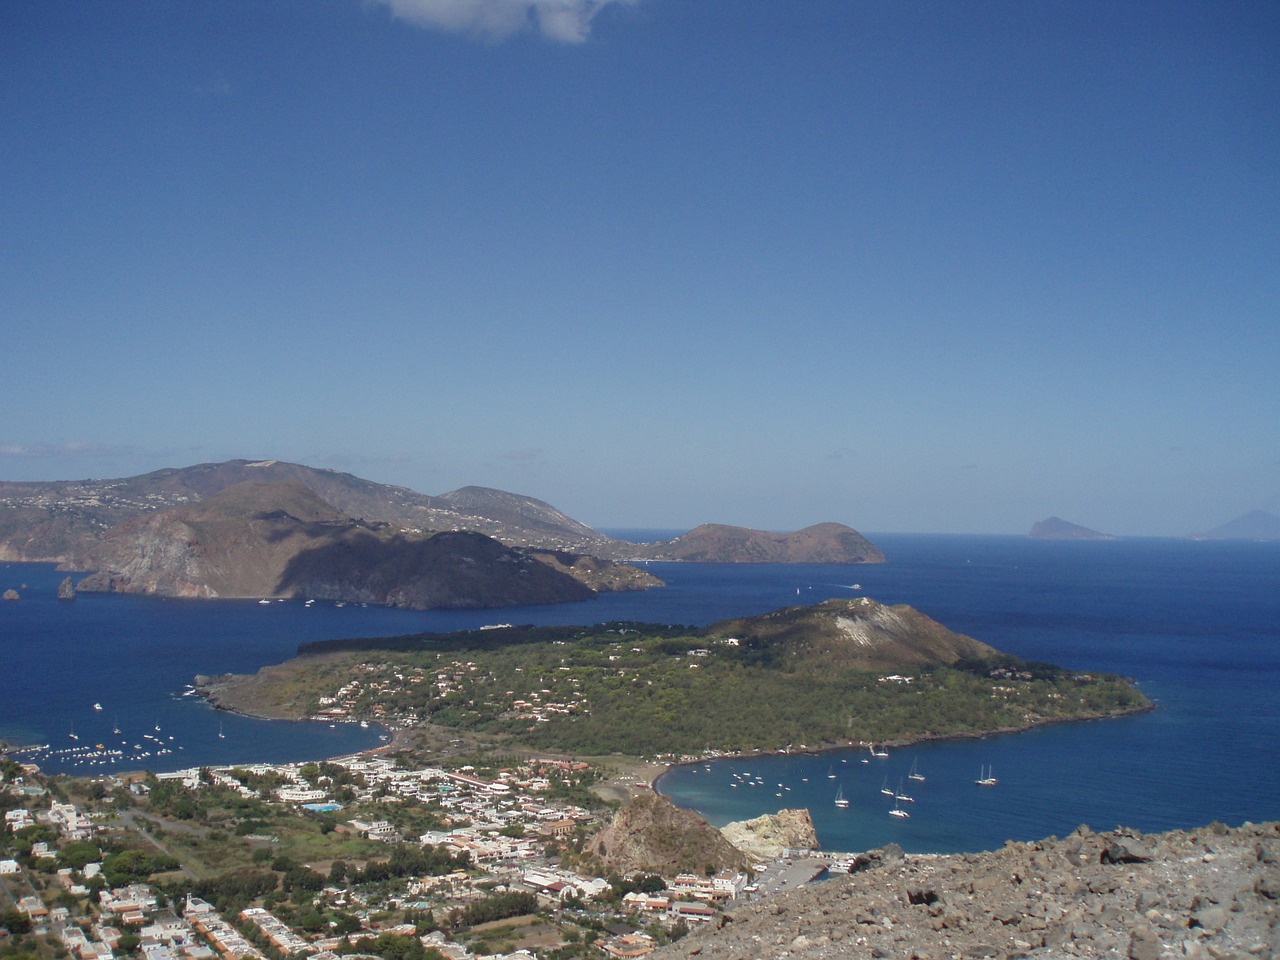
<point x="640" y="773"/>
<point x="897" y="744"/>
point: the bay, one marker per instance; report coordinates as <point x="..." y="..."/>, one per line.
<point x="1196" y="624"/>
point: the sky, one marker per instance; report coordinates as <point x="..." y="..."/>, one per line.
<point x="909" y="266"/>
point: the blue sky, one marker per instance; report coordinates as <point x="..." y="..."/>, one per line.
<point x="939" y="267"/>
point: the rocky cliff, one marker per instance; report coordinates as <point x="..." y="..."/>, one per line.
<point x="768" y="836"/>
<point x="651" y="833"/>
<point x="281" y="540"/>
<point x="1202" y="894"/>
<point x="860" y="633"/>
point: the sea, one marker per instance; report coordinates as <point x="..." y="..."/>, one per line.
<point x="1195" y="624"/>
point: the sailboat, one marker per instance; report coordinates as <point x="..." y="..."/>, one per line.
<point x="115" y="728"/>
<point x="841" y="802"/>
<point x="72" y="734"/>
<point x="831" y="773"/>
<point x="915" y="773"/>
<point x="886" y="789"/>
<point x="221" y="735"/>
<point x="900" y="796"/>
<point x="986" y="777"/>
<point x="897" y="811"/>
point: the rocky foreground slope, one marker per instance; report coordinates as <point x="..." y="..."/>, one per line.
<point x="1207" y="893"/>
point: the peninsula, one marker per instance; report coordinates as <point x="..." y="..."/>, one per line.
<point x="815" y="677"/>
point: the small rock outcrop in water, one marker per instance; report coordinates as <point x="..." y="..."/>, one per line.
<point x="1212" y="892"/>
<point x="10" y="595"/>
<point x="66" y="589"/>
<point x="768" y="836"/>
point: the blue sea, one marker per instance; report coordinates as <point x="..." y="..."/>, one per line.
<point x="1196" y="624"/>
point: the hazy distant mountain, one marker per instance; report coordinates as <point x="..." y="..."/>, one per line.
<point x="718" y="543"/>
<point x="281" y="540"/>
<point x="1254" y="525"/>
<point x="1055" y="528"/>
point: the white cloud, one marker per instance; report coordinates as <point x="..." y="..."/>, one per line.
<point x="568" y="21"/>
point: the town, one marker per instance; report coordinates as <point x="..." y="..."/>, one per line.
<point x="358" y="855"/>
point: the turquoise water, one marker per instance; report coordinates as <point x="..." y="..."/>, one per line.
<point x="1196" y="624"/>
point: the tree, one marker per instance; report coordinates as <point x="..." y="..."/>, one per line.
<point x="79" y="853"/>
<point x="16" y="922"/>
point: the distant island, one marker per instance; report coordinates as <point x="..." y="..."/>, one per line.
<point x="1254" y="525"/>
<point x="1055" y="528"/>
<point x="814" y="677"/>
<point x="271" y="529"/>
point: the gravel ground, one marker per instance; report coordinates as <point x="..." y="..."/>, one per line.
<point x="1205" y="894"/>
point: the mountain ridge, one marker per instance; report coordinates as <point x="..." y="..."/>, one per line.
<point x="67" y="521"/>
<point x="279" y="539"/>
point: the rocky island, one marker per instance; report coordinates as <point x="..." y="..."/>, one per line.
<point x="1055" y="528"/>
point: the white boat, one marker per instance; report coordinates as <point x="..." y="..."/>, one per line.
<point x="879" y="754"/>
<point x="986" y="777"/>
<point x="97" y="706"/>
<point x="831" y="773"/>
<point x="841" y="802"/>
<point x="897" y="811"/>
<point x="264" y="601"/>
<point x="901" y="797"/>
<point x="221" y="735"/>
<point x="886" y="789"/>
<point x="915" y="773"/>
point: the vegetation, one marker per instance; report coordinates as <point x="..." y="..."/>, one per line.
<point x="648" y="690"/>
